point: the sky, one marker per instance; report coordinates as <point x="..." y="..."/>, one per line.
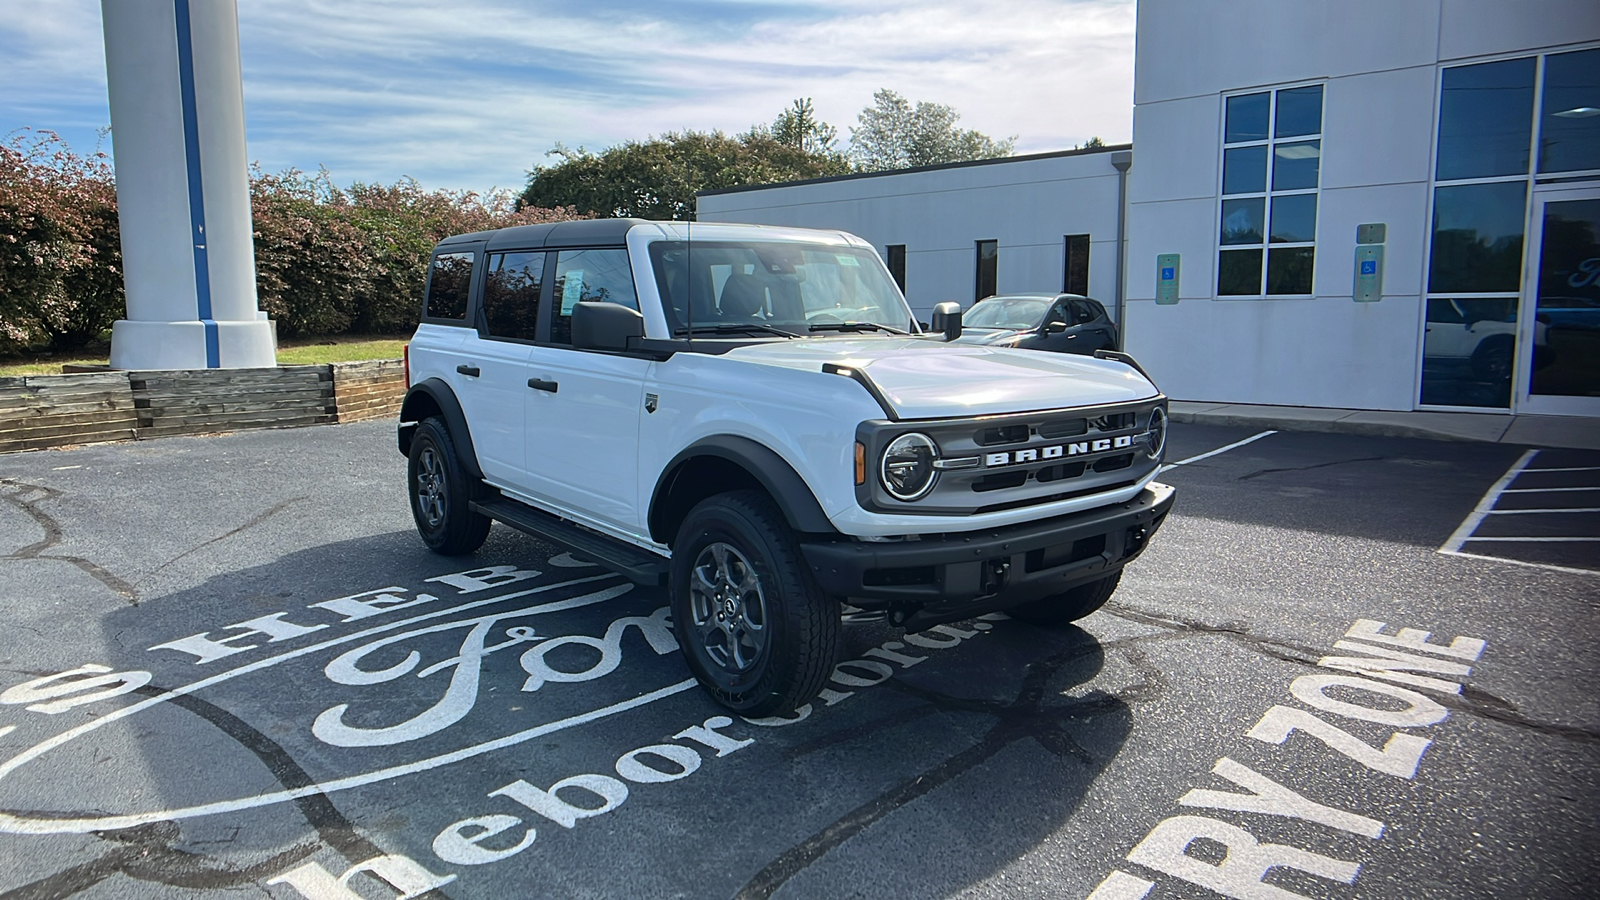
<point x="472" y="94"/>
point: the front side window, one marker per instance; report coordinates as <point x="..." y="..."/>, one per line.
<point x="1271" y="170"/>
<point x="511" y="294"/>
<point x="602" y="276"/>
<point x="760" y="285"/>
<point x="449" y="280"/>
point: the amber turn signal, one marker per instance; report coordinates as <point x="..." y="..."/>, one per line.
<point x="861" y="463"/>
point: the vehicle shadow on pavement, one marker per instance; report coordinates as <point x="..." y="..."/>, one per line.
<point x="934" y="761"/>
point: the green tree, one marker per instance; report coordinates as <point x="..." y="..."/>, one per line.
<point x="799" y="127"/>
<point x="658" y="178"/>
<point x="893" y="134"/>
<point x="1094" y="143"/>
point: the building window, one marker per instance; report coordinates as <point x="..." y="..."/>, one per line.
<point x="897" y="265"/>
<point x="988" y="269"/>
<point x="1483" y="165"/>
<point x="1271" y="169"/>
<point x="1075" y="271"/>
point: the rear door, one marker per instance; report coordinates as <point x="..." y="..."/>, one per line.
<point x="493" y="374"/>
<point x="1100" y="333"/>
<point x="583" y="407"/>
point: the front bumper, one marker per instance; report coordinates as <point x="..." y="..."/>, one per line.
<point x="956" y="576"/>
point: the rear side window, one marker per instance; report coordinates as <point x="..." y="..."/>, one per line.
<point x="589" y="276"/>
<point x="448" y="283"/>
<point x="511" y="294"/>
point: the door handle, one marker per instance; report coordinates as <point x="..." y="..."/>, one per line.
<point x="469" y="371"/>
<point x="539" y="384"/>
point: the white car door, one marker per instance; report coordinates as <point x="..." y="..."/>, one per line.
<point x="583" y="407"/>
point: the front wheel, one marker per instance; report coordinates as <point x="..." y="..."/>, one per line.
<point x="1067" y="606"/>
<point x="756" y="630"/>
<point x="440" y="492"/>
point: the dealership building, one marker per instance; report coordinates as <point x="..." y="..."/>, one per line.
<point x="1364" y="205"/>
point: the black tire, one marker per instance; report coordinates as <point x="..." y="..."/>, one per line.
<point x="757" y="632"/>
<point x="1067" y="606"/>
<point x="440" y="491"/>
<point x="1494" y="359"/>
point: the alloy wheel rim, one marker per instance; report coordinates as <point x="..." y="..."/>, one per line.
<point x="729" y="607"/>
<point x="430" y="486"/>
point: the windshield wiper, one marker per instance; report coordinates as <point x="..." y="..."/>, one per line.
<point x="736" y="328"/>
<point x="856" y="326"/>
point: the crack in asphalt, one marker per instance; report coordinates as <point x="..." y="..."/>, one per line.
<point x="27" y="498"/>
<point x="1023" y="717"/>
<point x="146" y="853"/>
<point x="1338" y="462"/>
<point x="254" y="521"/>
<point x="1472" y="700"/>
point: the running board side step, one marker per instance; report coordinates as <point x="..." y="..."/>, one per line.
<point x="636" y="564"/>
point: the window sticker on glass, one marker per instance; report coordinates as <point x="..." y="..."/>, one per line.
<point x="571" y="291"/>
<point x="848" y="261"/>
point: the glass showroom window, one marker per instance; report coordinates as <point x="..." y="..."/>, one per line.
<point x="1271" y="166"/>
<point x="1483" y="171"/>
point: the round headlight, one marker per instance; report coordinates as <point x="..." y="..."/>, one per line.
<point x="1158" y="433"/>
<point x="907" y="469"/>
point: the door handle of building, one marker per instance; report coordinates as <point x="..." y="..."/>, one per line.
<point x="469" y="371"/>
<point x="539" y="384"/>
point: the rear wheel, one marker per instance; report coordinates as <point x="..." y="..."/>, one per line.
<point x="1067" y="606"/>
<point x="757" y="632"/>
<point x="440" y="492"/>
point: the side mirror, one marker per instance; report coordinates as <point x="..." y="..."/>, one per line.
<point x="605" y="326"/>
<point x="1055" y="327"/>
<point x="947" y="319"/>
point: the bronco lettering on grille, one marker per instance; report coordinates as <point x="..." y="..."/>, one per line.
<point x="1059" y="451"/>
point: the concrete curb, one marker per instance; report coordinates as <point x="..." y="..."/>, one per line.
<point x="1539" y="431"/>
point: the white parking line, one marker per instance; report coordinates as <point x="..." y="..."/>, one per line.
<point x="1490" y="498"/>
<point x="1232" y="446"/>
<point x="1532" y="539"/>
<point x="1559" y="509"/>
<point x="1568" y="469"/>
<point x="1546" y="490"/>
<point x="1520" y="562"/>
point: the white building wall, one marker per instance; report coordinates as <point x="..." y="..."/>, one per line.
<point x="1378" y="61"/>
<point x="1028" y="205"/>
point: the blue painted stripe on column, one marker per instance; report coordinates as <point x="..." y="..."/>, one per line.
<point x="197" y="202"/>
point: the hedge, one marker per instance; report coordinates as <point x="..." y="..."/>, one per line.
<point x="329" y="260"/>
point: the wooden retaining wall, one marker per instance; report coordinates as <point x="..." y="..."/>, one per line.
<point x="39" y="411"/>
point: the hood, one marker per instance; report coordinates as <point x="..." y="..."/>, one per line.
<point x="991" y="335"/>
<point x="930" y="379"/>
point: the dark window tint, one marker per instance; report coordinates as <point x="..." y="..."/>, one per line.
<point x="1061" y="312"/>
<point x="1243" y="221"/>
<point x="1294" y="218"/>
<point x="1468" y="351"/>
<point x="1569" y="138"/>
<point x="1239" y="273"/>
<point x="511" y="294"/>
<point x="1294" y="166"/>
<point x="988" y="269"/>
<point x="1075" y="278"/>
<point x="1247" y="118"/>
<point x="585" y="276"/>
<point x="897" y="265"/>
<point x="1485" y="115"/>
<point x="1244" y="170"/>
<point x="1477" y="238"/>
<point x="1289" y="270"/>
<point x="1299" y="111"/>
<point x="1083" y="312"/>
<point x="448" y="283"/>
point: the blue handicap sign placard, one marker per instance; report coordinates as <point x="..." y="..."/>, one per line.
<point x="1166" y="274"/>
<point x="1369" y="267"/>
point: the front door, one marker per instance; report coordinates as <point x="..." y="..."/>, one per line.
<point x="1558" y="357"/>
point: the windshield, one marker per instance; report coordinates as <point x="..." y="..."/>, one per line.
<point x="775" y="288"/>
<point x="1006" y="312"/>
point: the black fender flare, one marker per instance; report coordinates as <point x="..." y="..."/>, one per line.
<point x="454" y="419"/>
<point x="793" y="495"/>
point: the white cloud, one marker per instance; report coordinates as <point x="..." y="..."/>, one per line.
<point x="471" y="94"/>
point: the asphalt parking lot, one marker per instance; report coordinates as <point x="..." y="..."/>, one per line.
<point x="230" y="669"/>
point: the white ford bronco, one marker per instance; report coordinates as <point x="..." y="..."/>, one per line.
<point x="752" y="418"/>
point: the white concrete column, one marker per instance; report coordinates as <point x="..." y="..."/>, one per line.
<point x="183" y="191"/>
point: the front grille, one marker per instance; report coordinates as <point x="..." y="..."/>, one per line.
<point x="1024" y="459"/>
